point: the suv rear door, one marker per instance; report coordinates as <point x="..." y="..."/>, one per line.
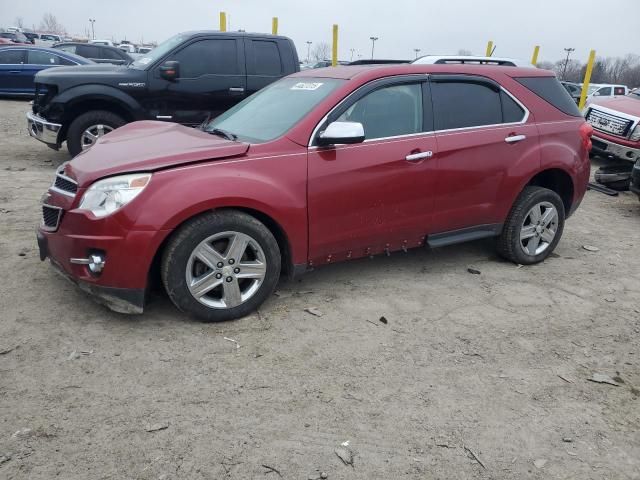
<point x="212" y="79"/>
<point x="484" y="140"/>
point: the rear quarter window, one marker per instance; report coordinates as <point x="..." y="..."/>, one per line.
<point x="552" y="91"/>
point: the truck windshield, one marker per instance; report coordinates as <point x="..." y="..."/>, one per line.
<point x="158" y="52"/>
<point x="271" y="112"/>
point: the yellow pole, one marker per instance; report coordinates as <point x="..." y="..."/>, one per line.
<point x="223" y="21"/>
<point x="587" y="79"/>
<point x="274" y="25"/>
<point x="334" y="53"/>
<point x="534" y="58"/>
<point x="489" y="48"/>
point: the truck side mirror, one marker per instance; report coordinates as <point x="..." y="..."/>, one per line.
<point x="170" y="70"/>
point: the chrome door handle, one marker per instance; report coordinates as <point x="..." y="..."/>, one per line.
<point x="237" y="89"/>
<point x="515" y="138"/>
<point x="414" y="157"/>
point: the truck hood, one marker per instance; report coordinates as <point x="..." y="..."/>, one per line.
<point x="67" y="77"/>
<point x="147" y="146"/>
<point x="628" y="105"/>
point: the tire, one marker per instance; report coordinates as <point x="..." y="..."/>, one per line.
<point x="511" y="244"/>
<point x="109" y="120"/>
<point x="191" y="265"/>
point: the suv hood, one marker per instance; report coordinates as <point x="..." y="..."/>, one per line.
<point x="107" y="74"/>
<point x="628" y="105"/>
<point x="147" y="146"/>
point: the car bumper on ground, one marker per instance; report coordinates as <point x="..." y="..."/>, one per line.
<point x="41" y="129"/>
<point x="606" y="147"/>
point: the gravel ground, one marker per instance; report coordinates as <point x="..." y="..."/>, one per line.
<point x="472" y="376"/>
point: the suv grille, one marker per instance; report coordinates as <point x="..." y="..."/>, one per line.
<point x="51" y="217"/>
<point x="606" y="122"/>
<point x="65" y="184"/>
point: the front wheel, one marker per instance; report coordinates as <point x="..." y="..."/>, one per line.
<point x="534" y="226"/>
<point x="221" y="266"/>
<point x="85" y="130"/>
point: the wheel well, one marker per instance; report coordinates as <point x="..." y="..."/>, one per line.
<point x="559" y="181"/>
<point x="92" y="104"/>
<point x="273" y="226"/>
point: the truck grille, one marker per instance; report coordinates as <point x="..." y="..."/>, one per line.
<point x="608" y="123"/>
<point x="51" y="217"/>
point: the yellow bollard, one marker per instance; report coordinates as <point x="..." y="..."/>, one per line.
<point x="274" y="25"/>
<point x="223" y="22"/>
<point x="587" y="79"/>
<point x="334" y="52"/>
<point x="489" y="48"/>
<point x="534" y="58"/>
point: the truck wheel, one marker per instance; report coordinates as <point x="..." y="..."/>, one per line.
<point x="533" y="228"/>
<point x="221" y="266"/>
<point x="88" y="127"/>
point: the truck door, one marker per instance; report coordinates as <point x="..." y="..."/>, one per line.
<point x="264" y="63"/>
<point x="212" y="78"/>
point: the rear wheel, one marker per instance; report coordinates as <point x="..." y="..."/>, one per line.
<point x="85" y="130"/>
<point x="221" y="266"/>
<point x="534" y="226"/>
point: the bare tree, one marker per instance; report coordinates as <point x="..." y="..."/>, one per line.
<point x="50" y="24"/>
<point x="320" y="51"/>
<point x="19" y="22"/>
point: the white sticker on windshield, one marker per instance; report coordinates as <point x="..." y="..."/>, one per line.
<point x="144" y="60"/>
<point x="306" y="86"/>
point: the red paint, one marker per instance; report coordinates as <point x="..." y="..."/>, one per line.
<point x="332" y="203"/>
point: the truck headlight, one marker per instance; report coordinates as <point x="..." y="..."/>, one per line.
<point x="106" y="196"/>
<point x="635" y="135"/>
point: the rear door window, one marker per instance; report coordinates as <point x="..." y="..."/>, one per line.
<point x="551" y="91"/>
<point x="605" y="92"/>
<point x="39" y="57"/>
<point x="462" y="104"/>
<point x="88" y="51"/>
<point x="511" y="111"/>
<point x="266" y="58"/>
<point x="110" y="54"/>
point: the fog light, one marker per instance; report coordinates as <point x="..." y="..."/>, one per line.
<point x="95" y="262"/>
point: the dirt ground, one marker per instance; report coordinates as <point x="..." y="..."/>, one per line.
<point x="473" y="376"/>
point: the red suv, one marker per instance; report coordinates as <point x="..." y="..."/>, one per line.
<point x="320" y="167"/>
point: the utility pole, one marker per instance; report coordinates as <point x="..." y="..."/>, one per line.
<point x="566" y="62"/>
<point x="373" y="45"/>
<point x="308" y="49"/>
<point x="417" y="50"/>
<point x="93" y="33"/>
<point x="352" y="50"/>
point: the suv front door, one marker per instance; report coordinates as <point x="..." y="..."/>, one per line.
<point x="374" y="196"/>
<point x="484" y="139"/>
<point x="212" y="79"/>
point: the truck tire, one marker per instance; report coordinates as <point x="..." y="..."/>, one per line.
<point x="533" y="227"/>
<point x="220" y="266"/>
<point x="88" y="127"/>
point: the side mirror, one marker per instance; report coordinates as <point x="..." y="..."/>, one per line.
<point x="340" y="133"/>
<point x="170" y="70"/>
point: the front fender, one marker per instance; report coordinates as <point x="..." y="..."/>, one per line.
<point x="82" y="93"/>
<point x="273" y="186"/>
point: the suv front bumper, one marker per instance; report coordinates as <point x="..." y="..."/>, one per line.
<point x="41" y="129"/>
<point x="609" y="148"/>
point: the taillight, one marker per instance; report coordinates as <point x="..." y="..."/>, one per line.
<point x="586" y="130"/>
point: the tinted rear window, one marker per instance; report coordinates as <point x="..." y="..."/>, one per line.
<point x="552" y="91"/>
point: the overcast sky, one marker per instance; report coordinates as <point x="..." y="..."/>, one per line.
<point x="434" y="26"/>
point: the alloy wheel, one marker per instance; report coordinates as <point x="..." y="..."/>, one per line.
<point x="92" y="133"/>
<point x="225" y="270"/>
<point x="539" y="228"/>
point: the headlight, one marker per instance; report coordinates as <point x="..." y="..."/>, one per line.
<point x="635" y="135"/>
<point x="106" y="196"/>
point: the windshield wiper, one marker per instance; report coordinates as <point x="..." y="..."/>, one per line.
<point x="223" y="133"/>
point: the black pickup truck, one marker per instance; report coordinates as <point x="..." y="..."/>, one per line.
<point x="186" y="79"/>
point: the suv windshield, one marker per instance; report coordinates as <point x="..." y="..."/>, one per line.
<point x="272" y="111"/>
<point x="158" y="52"/>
